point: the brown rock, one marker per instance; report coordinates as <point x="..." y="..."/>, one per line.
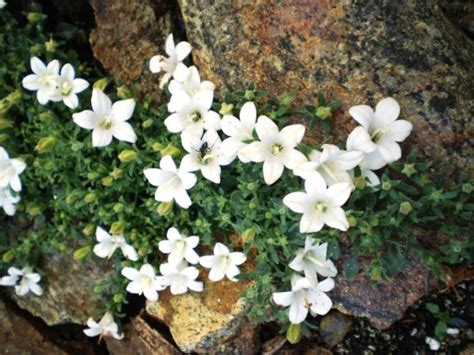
<point x="142" y="339"/>
<point x="67" y="290"/>
<point x="17" y="336"/>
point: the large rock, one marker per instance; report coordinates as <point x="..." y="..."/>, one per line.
<point x="357" y="51"/>
<point x="209" y="322"/>
<point x="67" y="295"/>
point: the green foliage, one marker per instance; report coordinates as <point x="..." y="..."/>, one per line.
<point x="70" y="188"/>
<point x="442" y="320"/>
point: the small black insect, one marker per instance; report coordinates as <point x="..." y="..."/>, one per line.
<point x="204" y="149"/>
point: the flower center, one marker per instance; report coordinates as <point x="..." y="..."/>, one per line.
<point x="321" y="207"/>
<point x="106" y="122"/>
<point x="308" y="256"/>
<point x="276" y="148"/>
<point x="66" y="88"/>
<point x="379" y="133"/>
<point x="180" y="244"/>
<point x="329" y="172"/>
<point x="194" y="117"/>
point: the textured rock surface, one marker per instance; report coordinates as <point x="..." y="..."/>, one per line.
<point x="142" y="339"/>
<point x="334" y="327"/>
<point x="127" y="34"/>
<point x="67" y="296"/>
<point x="357" y="51"/>
<point x="17" y="336"/>
<point x="211" y="321"/>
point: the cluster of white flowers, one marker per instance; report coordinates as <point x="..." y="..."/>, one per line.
<point x="24" y="281"/>
<point x="10" y="183"/>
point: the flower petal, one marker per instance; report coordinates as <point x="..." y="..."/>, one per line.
<point x="101" y="137"/>
<point x="122" y="110"/>
<point x="363" y="114"/>
<point x="311" y="222"/>
<point x="182" y="50"/>
<point x="123" y="131"/>
<point x="254" y="152"/>
<point x="85" y="119"/>
<point x="266" y="129"/>
<point x="283" y="298"/>
<point x="359" y="139"/>
<point x="389" y="150"/>
<point x="386" y="111"/>
<point x="399" y="130"/>
<point x="336" y="218"/>
<point x="292" y="135"/>
<point x="101" y="103"/>
<point x="296" y="201"/>
<point x="339" y="193"/>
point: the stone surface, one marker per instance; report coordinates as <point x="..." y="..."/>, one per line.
<point x="67" y="290"/>
<point x="356" y="51"/>
<point x="208" y="322"/>
<point x="334" y="327"/>
<point x="142" y="339"/>
<point x="127" y="34"/>
<point x="19" y="337"/>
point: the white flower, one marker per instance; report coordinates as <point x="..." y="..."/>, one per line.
<point x="320" y="205"/>
<point x="3" y="3"/>
<point x="173" y="65"/>
<point x="304" y="297"/>
<point x="108" y="243"/>
<point x="204" y="154"/>
<point x="275" y="149"/>
<point x="107" y="120"/>
<point x="67" y="87"/>
<point x="179" y="247"/>
<point x="223" y="263"/>
<point x="144" y="281"/>
<point x="44" y="80"/>
<point x="105" y="327"/>
<point x="239" y="130"/>
<point x="8" y="201"/>
<point x="332" y="163"/>
<point x="10" y="169"/>
<point x="191" y="86"/>
<point x="194" y="114"/>
<point x="181" y="277"/>
<point x="379" y="132"/>
<point x="432" y="343"/>
<point x="312" y="261"/>
<point x="28" y="281"/>
<point x="172" y="183"/>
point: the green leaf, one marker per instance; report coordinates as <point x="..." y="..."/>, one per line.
<point x="433" y="308"/>
<point x="351" y="267"/>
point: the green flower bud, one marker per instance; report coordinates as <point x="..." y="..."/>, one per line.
<point x="46" y="144"/>
<point x="375" y="273"/>
<point x="118" y="208"/>
<point x="71" y="198"/>
<point x="170" y="150"/>
<point x="408" y="169"/>
<point x="405" y="208"/>
<point x="33" y="211"/>
<point x="293" y="334"/>
<point x="248" y="235"/>
<point x="359" y="182"/>
<point x="157" y="147"/>
<point x="118" y="298"/>
<point x="14" y="97"/>
<point x="133" y="235"/>
<point x="352" y="221"/>
<point x="164" y="208"/>
<point x="386" y="185"/>
<point x="4" y="123"/>
<point x="466" y="188"/>
<point x="50" y="166"/>
<point x="147" y="124"/>
<point x="117" y="228"/>
<point x="127" y="155"/>
<point x="107" y="181"/>
<point x="123" y="92"/>
<point x="92" y="176"/>
<point x="34" y="17"/>
<point x="323" y="112"/>
<point x="226" y="109"/>
<point x="251" y="186"/>
<point x="3" y="137"/>
<point x="101" y="84"/>
<point x="249" y="95"/>
<point x="8" y="256"/>
<point x="81" y="253"/>
<point x="90" y="197"/>
<point x="89" y="229"/>
<point x="252" y="205"/>
<point x="51" y="46"/>
<point x="117" y="173"/>
<point x="268" y="215"/>
<point x="46" y="116"/>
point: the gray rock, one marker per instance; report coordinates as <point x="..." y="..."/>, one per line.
<point x="334" y="327"/>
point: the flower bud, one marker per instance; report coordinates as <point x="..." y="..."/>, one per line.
<point x="89" y="229"/>
<point x="323" y="112"/>
<point x="3" y="137"/>
<point x="46" y="144"/>
<point x="405" y="208"/>
<point x="466" y="188"/>
<point x="164" y="208"/>
<point x="226" y="109"/>
<point x="127" y="155"/>
<point x="375" y="273"/>
<point x="92" y="176"/>
<point x="117" y="173"/>
<point x="8" y="256"/>
<point x="81" y="253"/>
<point x="33" y="211"/>
<point x="71" y="198"/>
<point x="359" y="182"/>
<point x="118" y="298"/>
<point x="170" y="150"/>
<point x="118" y="208"/>
<point x="46" y="116"/>
<point x="352" y="220"/>
<point x="50" y="166"/>
<point x="133" y="235"/>
<point x="90" y="197"/>
<point x="249" y="95"/>
<point x="123" y="92"/>
<point x="293" y="334"/>
<point x="248" y="235"/>
<point x="409" y="169"/>
<point x="51" y="46"/>
<point x="147" y="124"/>
<point x="4" y="123"/>
<point x="34" y="17"/>
<point x="157" y="147"/>
<point x="117" y="228"/>
<point x="386" y="185"/>
<point x="14" y="97"/>
<point x="101" y="84"/>
<point x="107" y="181"/>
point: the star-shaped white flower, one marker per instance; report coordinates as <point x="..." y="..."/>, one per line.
<point x="332" y="163"/>
<point x="105" y="327"/>
<point x="194" y="114"/>
<point x="10" y="170"/>
<point x="380" y="131"/>
<point x="43" y="80"/>
<point x="312" y="261"/>
<point x="205" y="155"/>
<point x="181" y="277"/>
<point x="3" y="3"/>
<point x="8" y="201"/>
<point x="144" y="281"/>
<point x="320" y="205"/>
<point x="179" y="247"/>
<point x="223" y="263"/>
<point x="276" y="149"/>
<point x="172" y="182"/>
<point x="67" y="87"/>
<point x="28" y="281"/>
<point x="304" y="298"/>
<point x="172" y="65"/>
<point x="108" y="243"/>
<point x="107" y="120"/>
<point x="239" y="130"/>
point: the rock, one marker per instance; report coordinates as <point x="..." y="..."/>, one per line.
<point x="127" y="34"/>
<point x="469" y="350"/>
<point x="354" y="51"/>
<point x="213" y="321"/>
<point x="67" y="295"/>
<point x="334" y="327"/>
<point x="142" y="339"/>
<point x="17" y="336"/>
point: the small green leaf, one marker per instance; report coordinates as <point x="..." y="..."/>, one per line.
<point x="351" y="268"/>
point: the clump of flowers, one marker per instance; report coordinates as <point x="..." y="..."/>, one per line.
<point x="24" y="281"/>
<point x="105" y="327"/>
